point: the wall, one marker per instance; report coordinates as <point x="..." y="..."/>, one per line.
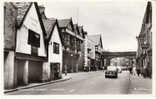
<point x="35" y="71"/>
<point x="31" y="22"/>
<point x="10" y="14"/>
<point x="91" y="45"/>
<point x="52" y="57"/>
<point x="9" y="69"/>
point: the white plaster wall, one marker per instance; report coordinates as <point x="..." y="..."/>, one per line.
<point x="22" y="45"/>
<point x="52" y="56"/>
<point x="31" y="22"/>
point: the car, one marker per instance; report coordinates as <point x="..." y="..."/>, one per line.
<point x="124" y="68"/>
<point x="111" y="71"/>
<point x="119" y="69"/>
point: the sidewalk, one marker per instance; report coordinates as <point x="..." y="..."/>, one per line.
<point x="31" y="85"/>
<point x="140" y="85"/>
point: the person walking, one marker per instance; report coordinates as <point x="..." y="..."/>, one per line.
<point x="65" y="68"/>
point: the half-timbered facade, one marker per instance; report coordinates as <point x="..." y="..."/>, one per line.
<point x="72" y="42"/>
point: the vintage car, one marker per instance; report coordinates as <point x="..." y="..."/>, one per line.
<point x="111" y="71"/>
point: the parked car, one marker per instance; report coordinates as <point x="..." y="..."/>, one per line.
<point x="111" y="71"/>
<point x="119" y="69"/>
<point x="124" y="68"/>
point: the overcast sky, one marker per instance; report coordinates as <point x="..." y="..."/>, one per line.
<point x="118" y="22"/>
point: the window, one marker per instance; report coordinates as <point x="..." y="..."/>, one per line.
<point x="55" y="48"/>
<point x="33" y="39"/>
<point x="96" y="48"/>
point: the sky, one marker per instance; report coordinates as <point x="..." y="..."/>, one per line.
<point x="119" y="22"/>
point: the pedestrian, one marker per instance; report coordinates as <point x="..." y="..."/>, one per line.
<point x="130" y="70"/>
<point x="138" y="71"/>
<point x="65" y="68"/>
<point x="134" y="71"/>
<point x="103" y="68"/>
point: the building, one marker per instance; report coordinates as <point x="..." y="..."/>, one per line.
<point x="89" y="54"/>
<point x="26" y="60"/>
<point x="54" y="43"/>
<point x="53" y="39"/>
<point x="10" y="14"/>
<point x="72" y="39"/>
<point x="144" y="51"/>
<point x="99" y="62"/>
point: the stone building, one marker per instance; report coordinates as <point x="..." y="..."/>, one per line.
<point x="144" y="51"/>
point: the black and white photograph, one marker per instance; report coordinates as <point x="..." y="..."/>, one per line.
<point x="78" y="47"/>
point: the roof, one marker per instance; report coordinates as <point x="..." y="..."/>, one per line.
<point x="96" y="38"/>
<point x="22" y="8"/>
<point x="76" y="28"/>
<point x="10" y="14"/>
<point x="63" y="22"/>
<point x="49" y="25"/>
<point x="81" y="29"/>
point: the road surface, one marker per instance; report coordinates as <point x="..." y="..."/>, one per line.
<point x="84" y="83"/>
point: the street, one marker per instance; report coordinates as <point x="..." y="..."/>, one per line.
<point x="90" y="83"/>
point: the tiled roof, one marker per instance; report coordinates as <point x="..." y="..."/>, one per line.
<point x="10" y="14"/>
<point x="22" y="8"/>
<point x="63" y="23"/>
<point x="95" y="38"/>
<point x="49" y="25"/>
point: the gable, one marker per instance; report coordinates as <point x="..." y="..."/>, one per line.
<point x="31" y="22"/>
<point x="55" y="37"/>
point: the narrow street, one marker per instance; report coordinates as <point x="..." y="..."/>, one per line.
<point x="89" y="83"/>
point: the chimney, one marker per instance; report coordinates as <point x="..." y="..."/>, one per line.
<point x="42" y="11"/>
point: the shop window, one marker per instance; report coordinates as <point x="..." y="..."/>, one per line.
<point x="55" y="48"/>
